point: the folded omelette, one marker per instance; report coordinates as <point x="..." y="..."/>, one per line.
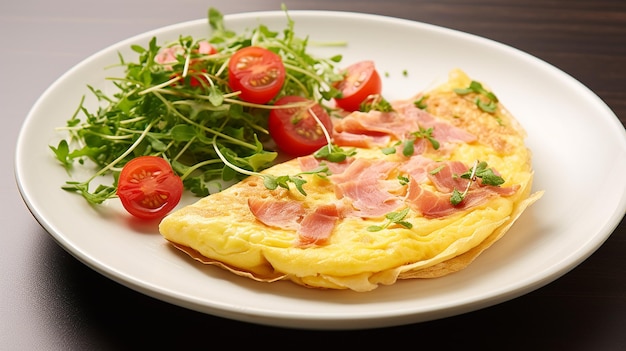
<point x="427" y="187"/>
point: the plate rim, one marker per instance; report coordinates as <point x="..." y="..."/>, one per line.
<point x="282" y="319"/>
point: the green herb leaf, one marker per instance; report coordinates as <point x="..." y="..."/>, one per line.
<point x="489" y="106"/>
<point x="375" y="103"/>
<point x="396" y="218"/>
<point x="479" y="170"/>
<point x="61" y="152"/>
<point x="334" y="153"/>
<point x="456" y="197"/>
<point x="419" y="103"/>
<point x="388" y="150"/>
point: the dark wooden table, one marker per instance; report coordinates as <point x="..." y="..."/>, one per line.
<point x="51" y="301"/>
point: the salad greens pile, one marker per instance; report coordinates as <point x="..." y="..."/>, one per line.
<point x="185" y="112"/>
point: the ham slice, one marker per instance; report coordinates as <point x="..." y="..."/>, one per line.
<point x="446" y="176"/>
<point x="443" y="131"/>
<point x="417" y="167"/>
<point x="437" y="204"/>
<point x="280" y="214"/>
<point x="365" y="183"/>
<point x="314" y="227"/>
<point x="366" y="129"/>
<point x="366" y="141"/>
<point x="317" y="226"/>
<point x="309" y="163"/>
<point x="376" y="123"/>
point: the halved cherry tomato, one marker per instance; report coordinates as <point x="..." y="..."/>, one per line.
<point x="361" y="80"/>
<point x="294" y="129"/>
<point x="257" y="72"/>
<point x="148" y="187"/>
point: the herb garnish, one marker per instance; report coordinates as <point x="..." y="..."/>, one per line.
<point x="375" y="103"/>
<point x="334" y="153"/>
<point x="479" y="170"/>
<point x="488" y="106"/>
<point x="408" y="145"/>
<point x="419" y="103"/>
<point x="392" y="218"/>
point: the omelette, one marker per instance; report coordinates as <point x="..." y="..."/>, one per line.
<point x="425" y="188"/>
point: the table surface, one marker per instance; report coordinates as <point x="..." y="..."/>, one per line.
<point x="49" y="300"/>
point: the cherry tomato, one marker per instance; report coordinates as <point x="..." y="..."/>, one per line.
<point x="148" y="187"/>
<point x="361" y="81"/>
<point x="295" y="130"/>
<point x="257" y="72"/>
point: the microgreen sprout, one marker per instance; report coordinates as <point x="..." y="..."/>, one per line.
<point x="408" y="144"/>
<point x="334" y="153"/>
<point x="488" y="106"/>
<point x="270" y="181"/>
<point x="419" y="103"/>
<point x="391" y="219"/>
<point x="478" y="170"/>
<point x="375" y="103"/>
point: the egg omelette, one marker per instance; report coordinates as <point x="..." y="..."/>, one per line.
<point x="427" y="187"/>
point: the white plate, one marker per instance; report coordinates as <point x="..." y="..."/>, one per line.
<point x="579" y="155"/>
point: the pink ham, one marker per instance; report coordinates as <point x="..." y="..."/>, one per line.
<point x="417" y="168"/>
<point x="317" y="226"/>
<point x="443" y="131"/>
<point x="314" y="227"/>
<point x="369" y="197"/>
<point x="377" y="123"/>
<point x="360" y="140"/>
<point x="362" y="169"/>
<point x="447" y="176"/>
<point x="437" y="205"/>
<point x="280" y="214"/>
<point x="365" y="183"/>
<point x="405" y="119"/>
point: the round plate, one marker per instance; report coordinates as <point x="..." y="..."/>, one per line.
<point x="579" y="149"/>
